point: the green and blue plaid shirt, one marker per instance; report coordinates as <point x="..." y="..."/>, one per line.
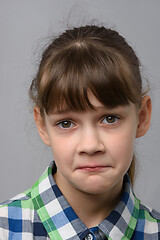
<point x="42" y="213"/>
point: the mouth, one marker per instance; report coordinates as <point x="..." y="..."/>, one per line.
<point x="93" y="168"/>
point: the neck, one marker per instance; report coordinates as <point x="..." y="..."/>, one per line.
<point x="91" y="208"/>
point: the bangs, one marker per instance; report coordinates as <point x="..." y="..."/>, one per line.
<point x="77" y="71"/>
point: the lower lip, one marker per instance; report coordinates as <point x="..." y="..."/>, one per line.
<point x="93" y="169"/>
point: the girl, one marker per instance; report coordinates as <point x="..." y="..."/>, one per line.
<point x="89" y="106"/>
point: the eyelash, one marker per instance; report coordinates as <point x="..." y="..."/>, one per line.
<point x="71" y="124"/>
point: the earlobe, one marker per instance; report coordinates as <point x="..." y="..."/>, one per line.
<point x="144" y="116"/>
<point x="41" y="127"/>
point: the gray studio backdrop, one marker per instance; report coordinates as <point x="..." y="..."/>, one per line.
<point x="25" y="28"/>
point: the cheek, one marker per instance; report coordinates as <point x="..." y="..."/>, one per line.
<point x="62" y="148"/>
<point x="122" y="146"/>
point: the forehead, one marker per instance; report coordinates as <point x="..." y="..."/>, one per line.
<point x="97" y="107"/>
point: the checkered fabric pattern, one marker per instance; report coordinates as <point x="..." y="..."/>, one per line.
<point x="42" y="213"/>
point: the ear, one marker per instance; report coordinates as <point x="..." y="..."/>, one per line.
<point x="144" y="116"/>
<point x="41" y="127"/>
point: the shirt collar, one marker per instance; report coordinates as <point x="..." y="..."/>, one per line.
<point x="121" y="222"/>
<point x="61" y="222"/>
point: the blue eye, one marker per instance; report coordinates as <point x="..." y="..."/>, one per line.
<point x="65" y="124"/>
<point x="110" y="119"/>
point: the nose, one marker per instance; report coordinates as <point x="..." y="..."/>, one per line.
<point x="90" y="142"/>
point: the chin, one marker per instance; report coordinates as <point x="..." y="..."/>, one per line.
<point x="94" y="190"/>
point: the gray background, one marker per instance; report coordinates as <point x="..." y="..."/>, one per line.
<point x="25" y="27"/>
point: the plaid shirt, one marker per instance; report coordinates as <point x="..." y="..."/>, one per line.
<point x="42" y="213"/>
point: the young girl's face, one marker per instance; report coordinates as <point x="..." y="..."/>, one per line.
<point x="92" y="149"/>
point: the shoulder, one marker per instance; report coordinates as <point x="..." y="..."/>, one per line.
<point x="14" y="206"/>
<point x="14" y="211"/>
<point x="148" y="223"/>
<point x="22" y="200"/>
<point x="148" y="213"/>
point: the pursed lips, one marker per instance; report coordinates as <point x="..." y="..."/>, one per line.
<point x="93" y="167"/>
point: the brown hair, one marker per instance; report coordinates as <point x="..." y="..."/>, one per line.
<point x="87" y="59"/>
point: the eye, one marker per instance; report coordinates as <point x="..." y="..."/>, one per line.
<point x="65" y="124"/>
<point x="110" y="119"/>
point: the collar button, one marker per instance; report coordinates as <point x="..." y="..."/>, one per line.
<point x="89" y="237"/>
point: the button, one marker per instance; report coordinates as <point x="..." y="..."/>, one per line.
<point x="89" y="237"/>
